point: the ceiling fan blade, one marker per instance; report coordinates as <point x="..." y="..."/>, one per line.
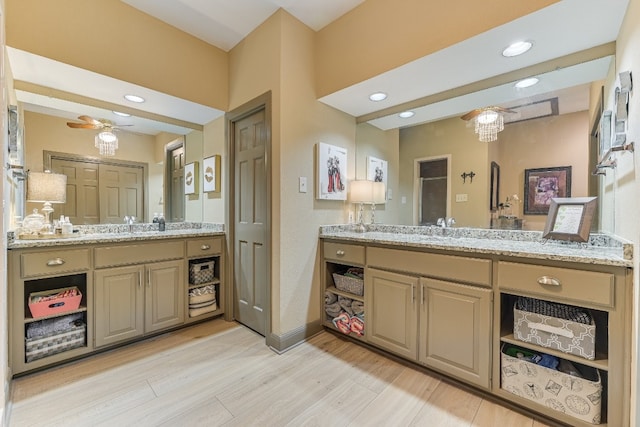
<point x="82" y="126"/>
<point x="90" y="120"/>
<point x="471" y="114"/>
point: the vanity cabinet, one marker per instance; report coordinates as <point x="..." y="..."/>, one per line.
<point x="132" y="301"/>
<point x="130" y="290"/>
<point x="453" y="311"/>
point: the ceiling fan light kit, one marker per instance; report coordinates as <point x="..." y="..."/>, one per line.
<point x="106" y="141"/>
<point x="488" y="124"/>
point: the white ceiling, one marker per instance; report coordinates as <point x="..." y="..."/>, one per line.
<point x="563" y="28"/>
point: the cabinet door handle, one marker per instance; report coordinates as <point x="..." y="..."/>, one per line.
<point x="205" y="247"/>
<point x="421" y="294"/>
<point x="139" y="279"/>
<point x="55" y="262"/>
<point x="548" y="280"/>
<point x="413" y="293"/>
<point x="148" y="278"/>
<point x="340" y="252"/>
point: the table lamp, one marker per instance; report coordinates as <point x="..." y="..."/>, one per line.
<point x="361" y="191"/>
<point x="47" y="187"/>
<point x="379" y="197"/>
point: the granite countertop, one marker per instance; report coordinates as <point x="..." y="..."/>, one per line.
<point x="600" y="250"/>
<point x="117" y="233"/>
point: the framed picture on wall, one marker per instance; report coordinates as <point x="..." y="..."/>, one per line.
<point x="211" y="174"/>
<point x="542" y="185"/>
<point x="190" y="178"/>
<point x="332" y="172"/>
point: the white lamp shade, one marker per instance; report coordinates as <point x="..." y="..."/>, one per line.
<point x="379" y="193"/>
<point x="47" y="187"/>
<point x="361" y="191"/>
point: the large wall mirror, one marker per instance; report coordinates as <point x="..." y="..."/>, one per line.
<point x="143" y="136"/>
<point x="550" y="127"/>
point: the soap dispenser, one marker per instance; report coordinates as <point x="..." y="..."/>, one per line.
<point x="161" y="223"/>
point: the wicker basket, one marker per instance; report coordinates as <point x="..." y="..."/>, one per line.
<point x="201" y="272"/>
<point x="349" y="284"/>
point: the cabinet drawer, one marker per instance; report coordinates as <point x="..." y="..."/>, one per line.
<point x="109" y="256"/>
<point x="452" y="267"/>
<point x="345" y="253"/>
<point x="589" y="287"/>
<point x="206" y="246"/>
<point x="54" y="262"/>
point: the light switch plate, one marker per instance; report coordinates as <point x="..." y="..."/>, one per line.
<point x="462" y="197"/>
<point x="302" y="184"/>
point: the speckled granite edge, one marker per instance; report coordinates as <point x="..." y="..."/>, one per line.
<point x="113" y="233"/>
<point x="601" y="248"/>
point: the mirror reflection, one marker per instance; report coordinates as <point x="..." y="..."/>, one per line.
<point x="546" y="130"/>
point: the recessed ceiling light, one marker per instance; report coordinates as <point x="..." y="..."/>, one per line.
<point x="517" y="48"/>
<point x="378" y="96"/>
<point x="406" y="114"/>
<point x="527" y="82"/>
<point x="134" y="98"/>
<point x="118" y="113"/>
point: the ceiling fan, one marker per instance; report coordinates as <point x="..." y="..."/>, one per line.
<point x="91" y="123"/>
<point x="488" y="121"/>
<point x="105" y="140"/>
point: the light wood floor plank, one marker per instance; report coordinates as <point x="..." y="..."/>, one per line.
<point x="492" y="415"/>
<point x="399" y="403"/>
<point x="221" y="374"/>
<point x="448" y="406"/>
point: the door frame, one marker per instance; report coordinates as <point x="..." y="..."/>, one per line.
<point x="416" y="184"/>
<point x="262" y="102"/>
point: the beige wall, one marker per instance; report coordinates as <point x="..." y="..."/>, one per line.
<point x="213" y="204"/>
<point x="278" y="57"/>
<point x="621" y="187"/>
<point x="385" y="145"/>
<point x="546" y="142"/>
<point x="372" y="38"/>
<point x="114" y="39"/>
<point x="193" y="149"/>
<point x="48" y="133"/>
<point x="447" y="137"/>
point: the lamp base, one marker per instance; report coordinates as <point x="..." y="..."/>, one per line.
<point x="360" y="228"/>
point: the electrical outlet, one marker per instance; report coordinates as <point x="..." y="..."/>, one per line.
<point x="404" y="200"/>
<point x="462" y="197"/>
<point x="302" y="184"/>
<point x="350" y="217"/>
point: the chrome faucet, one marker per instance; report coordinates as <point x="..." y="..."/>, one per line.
<point x="129" y="220"/>
<point x="445" y="222"/>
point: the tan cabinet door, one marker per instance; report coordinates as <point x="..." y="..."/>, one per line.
<point x="455" y="330"/>
<point x="164" y="295"/>
<point x="391" y="315"/>
<point x="119" y="304"/>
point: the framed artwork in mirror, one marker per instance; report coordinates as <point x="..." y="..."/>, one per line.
<point x="544" y="184"/>
<point x="494" y="192"/>
<point x="190" y="178"/>
<point x="570" y="219"/>
<point x="211" y="174"/>
<point x="332" y="172"/>
<point x="377" y="171"/>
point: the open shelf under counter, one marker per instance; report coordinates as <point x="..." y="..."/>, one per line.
<point x="600" y="362"/>
<point x="349" y="295"/>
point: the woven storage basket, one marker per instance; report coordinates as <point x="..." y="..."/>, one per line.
<point x="201" y="272"/>
<point x="349" y="284"/>
<point x="50" y="344"/>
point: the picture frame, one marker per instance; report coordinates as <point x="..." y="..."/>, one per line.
<point x="211" y="174"/>
<point x="494" y="192"/>
<point x="332" y="172"/>
<point x="570" y="219"/>
<point x="544" y="184"/>
<point x="191" y="178"/>
<point x="377" y="171"/>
